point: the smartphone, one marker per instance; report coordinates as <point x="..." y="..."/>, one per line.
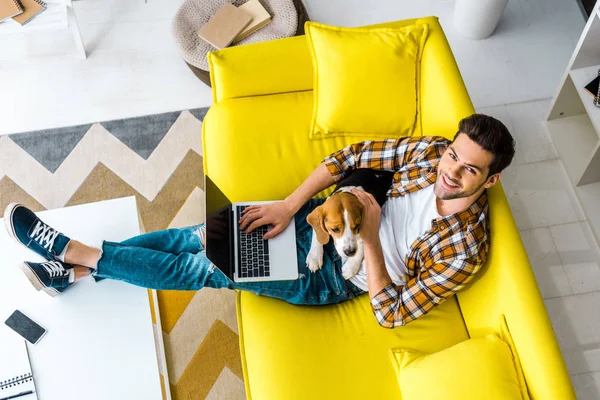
<point x="25" y="327"/>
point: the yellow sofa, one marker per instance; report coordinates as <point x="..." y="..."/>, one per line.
<point x="257" y="147"/>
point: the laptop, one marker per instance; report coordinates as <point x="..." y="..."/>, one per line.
<point x="241" y="256"/>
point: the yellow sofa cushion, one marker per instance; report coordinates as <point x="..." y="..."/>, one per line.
<point x="478" y="368"/>
<point x="331" y="352"/>
<point x="366" y="80"/>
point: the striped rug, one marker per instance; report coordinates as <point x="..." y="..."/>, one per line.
<point x="157" y="159"/>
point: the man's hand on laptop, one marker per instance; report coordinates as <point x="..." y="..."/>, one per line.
<point x="278" y="214"/>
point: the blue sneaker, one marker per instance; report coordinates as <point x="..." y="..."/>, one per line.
<point x="52" y="276"/>
<point x="26" y="228"/>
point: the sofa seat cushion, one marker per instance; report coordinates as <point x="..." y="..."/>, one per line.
<point x="332" y="352"/>
<point x="264" y="142"/>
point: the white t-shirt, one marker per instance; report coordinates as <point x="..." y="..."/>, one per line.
<point x="403" y="220"/>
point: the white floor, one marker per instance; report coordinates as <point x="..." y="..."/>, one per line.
<point x="133" y="68"/>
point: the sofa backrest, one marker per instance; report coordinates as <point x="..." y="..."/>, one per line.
<point x="243" y="71"/>
<point x="506" y="285"/>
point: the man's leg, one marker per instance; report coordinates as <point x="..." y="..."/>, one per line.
<point x="62" y="254"/>
<point x="162" y="270"/>
<point x="175" y="241"/>
<point x="148" y="267"/>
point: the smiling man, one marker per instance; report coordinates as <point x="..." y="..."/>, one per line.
<point x="428" y="241"/>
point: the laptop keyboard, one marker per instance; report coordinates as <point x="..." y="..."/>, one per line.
<point x="254" y="251"/>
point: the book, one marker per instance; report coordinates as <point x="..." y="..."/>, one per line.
<point x="592" y="87"/>
<point x="10" y="8"/>
<point x="32" y="9"/>
<point x="15" y="376"/>
<point x="260" y="18"/>
<point x="224" y="26"/>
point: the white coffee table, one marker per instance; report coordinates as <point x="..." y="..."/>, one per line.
<point x="100" y="342"/>
<point x="58" y="15"/>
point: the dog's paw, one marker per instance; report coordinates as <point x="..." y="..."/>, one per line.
<point x="351" y="267"/>
<point x="314" y="260"/>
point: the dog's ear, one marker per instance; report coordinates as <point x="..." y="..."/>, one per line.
<point x="357" y="211"/>
<point x="316" y="219"/>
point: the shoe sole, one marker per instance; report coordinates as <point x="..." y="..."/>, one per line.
<point x="35" y="281"/>
<point x="8" y="212"/>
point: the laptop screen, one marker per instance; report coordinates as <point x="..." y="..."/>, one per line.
<point x="219" y="228"/>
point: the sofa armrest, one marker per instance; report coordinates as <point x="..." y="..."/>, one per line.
<point x="506" y="285"/>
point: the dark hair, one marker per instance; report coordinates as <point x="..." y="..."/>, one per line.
<point x="493" y="136"/>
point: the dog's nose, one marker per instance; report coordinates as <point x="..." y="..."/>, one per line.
<point x="350" y="251"/>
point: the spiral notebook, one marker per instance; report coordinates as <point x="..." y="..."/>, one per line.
<point x="15" y="370"/>
<point x="9" y="8"/>
<point x="33" y="8"/>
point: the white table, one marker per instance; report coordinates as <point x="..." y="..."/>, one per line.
<point x="100" y="343"/>
<point x="58" y="15"/>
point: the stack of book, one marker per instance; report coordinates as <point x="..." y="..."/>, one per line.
<point x="22" y="11"/>
<point x="232" y="24"/>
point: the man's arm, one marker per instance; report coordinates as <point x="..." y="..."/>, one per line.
<point x="377" y="276"/>
<point x="279" y="214"/>
<point x="398" y="305"/>
<point x="318" y="180"/>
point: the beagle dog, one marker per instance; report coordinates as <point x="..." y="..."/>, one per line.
<point x="340" y="217"/>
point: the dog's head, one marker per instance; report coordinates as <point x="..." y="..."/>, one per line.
<point x="339" y="216"/>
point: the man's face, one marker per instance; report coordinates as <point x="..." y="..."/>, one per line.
<point x="463" y="169"/>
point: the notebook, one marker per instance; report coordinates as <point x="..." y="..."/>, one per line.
<point x="32" y="9"/>
<point x="15" y="375"/>
<point x="260" y="17"/>
<point x="9" y="8"/>
<point x="592" y="87"/>
<point x="224" y="26"/>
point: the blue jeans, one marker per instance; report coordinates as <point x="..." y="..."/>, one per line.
<point x="175" y="259"/>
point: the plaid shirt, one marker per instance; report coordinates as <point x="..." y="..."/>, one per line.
<point x="442" y="260"/>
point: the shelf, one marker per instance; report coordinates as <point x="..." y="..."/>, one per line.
<point x="54" y="17"/>
<point x="581" y="77"/>
<point x="576" y="141"/>
<point x="573" y="122"/>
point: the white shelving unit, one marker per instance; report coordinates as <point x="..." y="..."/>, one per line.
<point x="573" y="121"/>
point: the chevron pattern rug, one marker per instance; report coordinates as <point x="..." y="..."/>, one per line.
<point x="157" y="159"/>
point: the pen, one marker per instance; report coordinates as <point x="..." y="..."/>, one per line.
<point x="14" y="396"/>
